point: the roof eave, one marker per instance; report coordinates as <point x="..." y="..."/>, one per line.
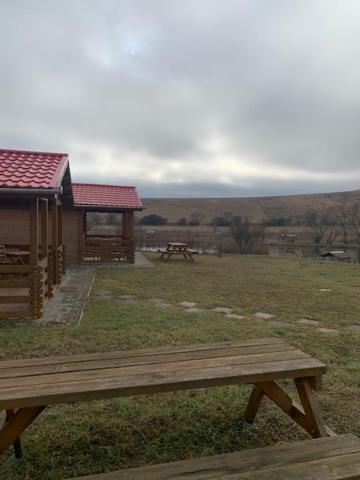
<point x="107" y="207"/>
<point x="30" y="191"/>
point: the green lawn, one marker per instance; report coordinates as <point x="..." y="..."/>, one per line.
<point x="94" y="437"/>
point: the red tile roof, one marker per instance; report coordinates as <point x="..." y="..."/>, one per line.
<point x="24" y="169"/>
<point x="106" y="195"/>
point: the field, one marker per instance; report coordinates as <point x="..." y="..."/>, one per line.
<point x="84" y="438"/>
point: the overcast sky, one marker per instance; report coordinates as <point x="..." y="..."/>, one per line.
<point x="187" y="97"/>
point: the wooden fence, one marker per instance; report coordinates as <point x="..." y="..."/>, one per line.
<point x="105" y="249"/>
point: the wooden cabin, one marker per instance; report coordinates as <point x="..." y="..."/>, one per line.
<point x="43" y="227"/>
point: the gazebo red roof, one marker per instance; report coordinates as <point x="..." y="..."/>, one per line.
<point x="26" y="169"/>
<point x="92" y="194"/>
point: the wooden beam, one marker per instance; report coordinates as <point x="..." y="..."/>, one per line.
<point x="44" y="213"/>
<point x="60" y="225"/>
<point x="15" y="426"/>
<point x="252" y="408"/>
<point x="54" y="239"/>
<point x="311" y="408"/>
<point x="34" y="231"/>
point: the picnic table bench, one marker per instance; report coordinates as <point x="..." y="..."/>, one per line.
<point x="177" y="248"/>
<point x="331" y="458"/>
<point x="28" y="386"/>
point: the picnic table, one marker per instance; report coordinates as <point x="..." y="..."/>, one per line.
<point x="28" y="386"/>
<point x="177" y="248"/>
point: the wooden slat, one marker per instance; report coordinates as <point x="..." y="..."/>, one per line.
<point x="133" y="353"/>
<point x="15" y="299"/>
<point x="92" y="364"/>
<point x="157" y="382"/>
<point x="152" y="368"/>
<point x="15" y="282"/>
<point x="332" y="458"/>
<point x="21" y="313"/>
<point x="15" y="269"/>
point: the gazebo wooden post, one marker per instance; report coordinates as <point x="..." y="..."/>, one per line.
<point x="128" y="232"/>
<point x="36" y="288"/>
<point x="82" y="236"/>
<point x="54" y="240"/>
<point x="60" y="254"/>
<point x="44" y="213"/>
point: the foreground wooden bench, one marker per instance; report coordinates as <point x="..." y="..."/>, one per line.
<point x="28" y="386"/>
<point x="332" y="458"/>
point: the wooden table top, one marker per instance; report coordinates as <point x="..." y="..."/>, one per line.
<point x="177" y="244"/>
<point x="45" y="381"/>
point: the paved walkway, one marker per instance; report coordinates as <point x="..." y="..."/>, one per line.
<point x="68" y="303"/>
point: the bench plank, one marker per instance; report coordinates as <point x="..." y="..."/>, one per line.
<point x="331" y="458"/>
<point x="153" y="367"/>
<point x="97" y="364"/>
<point x="131" y="353"/>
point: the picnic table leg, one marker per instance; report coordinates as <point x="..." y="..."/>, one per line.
<point x="253" y="406"/>
<point x="306" y="415"/>
<point x="15" y="424"/>
<point x="311" y="408"/>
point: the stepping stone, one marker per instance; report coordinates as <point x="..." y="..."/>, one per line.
<point x="279" y="323"/>
<point x="127" y="297"/>
<point x="264" y="316"/>
<point x="353" y="328"/>
<point x="306" y="321"/>
<point x="222" y="310"/>
<point x="187" y="304"/>
<point x="330" y="331"/>
<point x="157" y="300"/>
<point x="195" y="310"/>
<point x="164" y="305"/>
<point x="235" y="316"/>
<point x="102" y="292"/>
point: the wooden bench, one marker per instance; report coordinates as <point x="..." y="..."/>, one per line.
<point x="28" y="386"/>
<point x="332" y="458"/>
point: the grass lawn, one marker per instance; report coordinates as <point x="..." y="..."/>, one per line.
<point x="93" y="437"/>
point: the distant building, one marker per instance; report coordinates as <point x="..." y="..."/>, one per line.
<point x="338" y="255"/>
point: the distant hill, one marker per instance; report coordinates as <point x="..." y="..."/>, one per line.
<point x="255" y="208"/>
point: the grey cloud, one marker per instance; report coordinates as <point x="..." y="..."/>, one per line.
<point x="277" y="80"/>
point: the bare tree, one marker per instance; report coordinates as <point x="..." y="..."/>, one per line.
<point x="322" y="223"/>
<point x="196" y="218"/>
<point x="246" y="234"/>
<point x="343" y="220"/>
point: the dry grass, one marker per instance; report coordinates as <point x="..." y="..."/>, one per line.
<point x="92" y="437"/>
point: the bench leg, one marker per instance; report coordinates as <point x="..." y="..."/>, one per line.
<point x="306" y="415"/>
<point x="15" y="424"/>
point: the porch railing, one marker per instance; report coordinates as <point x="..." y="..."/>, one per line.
<point x="105" y="249"/>
<point x="24" y="289"/>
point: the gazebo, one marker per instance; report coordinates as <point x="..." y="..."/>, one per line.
<point x="42" y="216"/>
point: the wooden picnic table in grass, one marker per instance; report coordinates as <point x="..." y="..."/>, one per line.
<point x="177" y="248"/>
<point x="28" y="386"/>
